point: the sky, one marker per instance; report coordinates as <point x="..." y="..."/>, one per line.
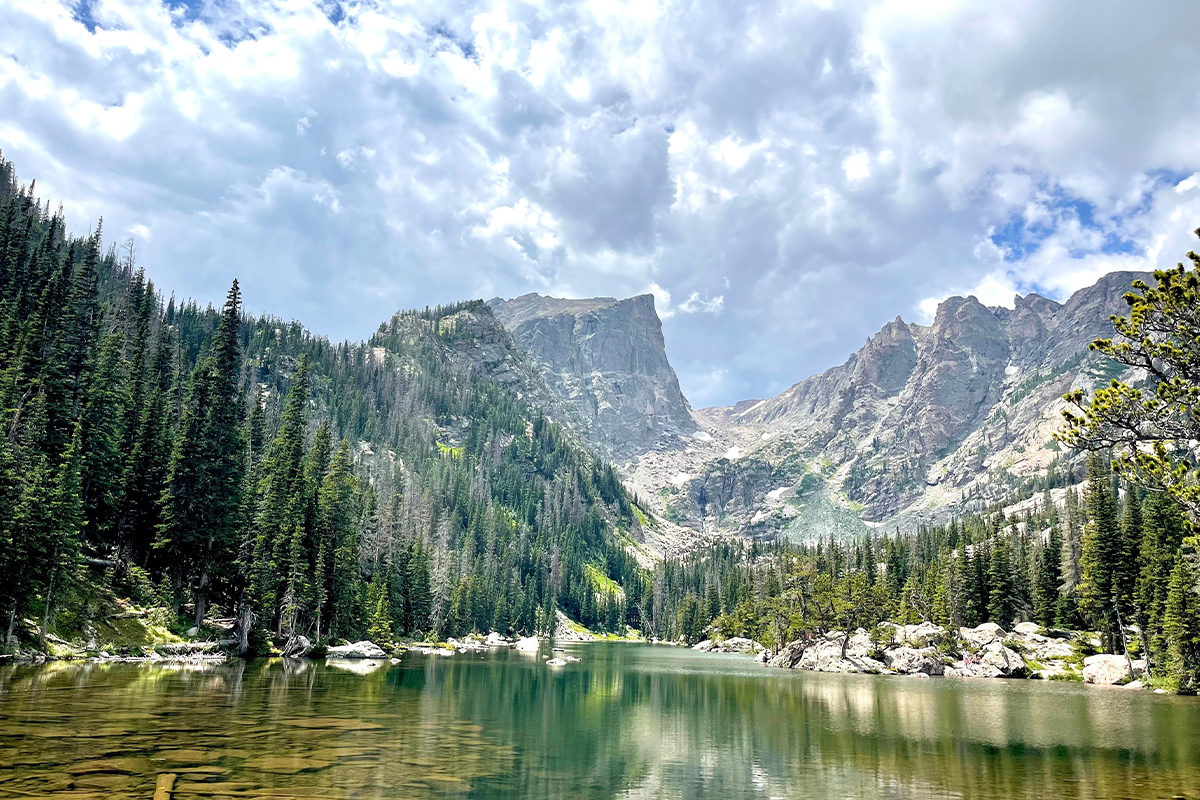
<point x="783" y="177"/>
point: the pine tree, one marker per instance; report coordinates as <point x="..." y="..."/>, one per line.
<point x="1100" y="560"/>
<point x="1045" y="589"/>
<point x="1000" y="584"/>
<point x="336" y="532"/>
<point x="1072" y="547"/>
<point x="419" y="596"/>
<point x="10" y="561"/>
<point x="1162" y="534"/>
<point x="380" y="629"/>
<point x="279" y="553"/>
<point x="1181" y="624"/>
<point x="202" y="502"/>
<point x="103" y="431"/>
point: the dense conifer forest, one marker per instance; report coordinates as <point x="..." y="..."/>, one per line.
<point x="218" y="464"/>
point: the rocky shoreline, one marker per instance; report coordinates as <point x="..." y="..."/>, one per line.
<point x="985" y="651"/>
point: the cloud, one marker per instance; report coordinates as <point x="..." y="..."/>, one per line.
<point x="822" y="166"/>
<point x="695" y="305"/>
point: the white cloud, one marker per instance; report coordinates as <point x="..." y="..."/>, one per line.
<point x="662" y="301"/>
<point x="840" y="162"/>
<point x="694" y="304"/>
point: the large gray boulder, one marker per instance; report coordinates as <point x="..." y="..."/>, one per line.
<point x="1106" y="669"/>
<point x="982" y="635"/>
<point x="1008" y="661"/>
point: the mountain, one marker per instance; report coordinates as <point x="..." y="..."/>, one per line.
<point x="922" y="422"/>
<point x="608" y="359"/>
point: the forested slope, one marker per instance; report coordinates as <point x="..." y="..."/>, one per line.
<point x="218" y="463"/>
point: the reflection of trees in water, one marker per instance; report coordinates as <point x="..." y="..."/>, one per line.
<point x="628" y="722"/>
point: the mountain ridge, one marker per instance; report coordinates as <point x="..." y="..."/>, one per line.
<point x="921" y="421"/>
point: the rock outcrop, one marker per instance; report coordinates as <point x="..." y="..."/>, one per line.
<point x="608" y="359"/>
<point x="734" y="644"/>
<point x="985" y="651"/>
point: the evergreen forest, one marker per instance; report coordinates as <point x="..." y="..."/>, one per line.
<point x="227" y="466"/>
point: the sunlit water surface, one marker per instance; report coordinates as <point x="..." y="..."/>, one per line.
<point x="628" y="721"/>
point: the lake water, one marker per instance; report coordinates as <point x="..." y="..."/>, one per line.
<point x="628" y="721"/>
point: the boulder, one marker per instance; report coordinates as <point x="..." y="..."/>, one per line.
<point x="363" y="649"/>
<point x="921" y="636"/>
<point x="909" y="661"/>
<point x="982" y="635"/>
<point x="735" y="644"/>
<point x="738" y="644"/>
<point x="790" y="655"/>
<point x="528" y="644"/>
<point x="1008" y="661"/>
<point x="495" y="640"/>
<point x="1027" y="628"/>
<point x="555" y="662"/>
<point x="1106" y="669"/>
<point x="1048" y="673"/>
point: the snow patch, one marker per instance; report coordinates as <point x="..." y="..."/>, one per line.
<point x="766" y="437"/>
<point x="702" y="436"/>
<point x="733" y="453"/>
<point x="775" y="494"/>
<point x="1011" y="370"/>
<point x="759" y="404"/>
<point x="680" y="478"/>
<point x="759" y="517"/>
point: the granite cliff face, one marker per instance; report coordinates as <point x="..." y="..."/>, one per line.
<point x="608" y="359"/>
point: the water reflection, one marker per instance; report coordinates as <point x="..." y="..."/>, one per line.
<point x="628" y="721"/>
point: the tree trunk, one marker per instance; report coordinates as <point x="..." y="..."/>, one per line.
<point x="49" y="602"/>
<point x="12" y="620"/>
<point x="201" y="598"/>
<point x="245" y="620"/>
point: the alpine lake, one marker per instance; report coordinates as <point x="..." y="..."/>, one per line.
<point x="627" y="721"/>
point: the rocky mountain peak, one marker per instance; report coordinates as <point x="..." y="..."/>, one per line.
<point x="608" y="358"/>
